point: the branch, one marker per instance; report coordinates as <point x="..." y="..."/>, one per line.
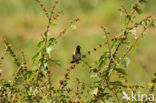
<point x="135" y="41"/>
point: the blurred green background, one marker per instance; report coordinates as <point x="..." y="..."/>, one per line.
<point x="22" y="22"/>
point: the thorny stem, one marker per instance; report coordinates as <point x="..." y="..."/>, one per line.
<point x="18" y="64"/>
<point x="114" y="94"/>
<point x="50" y="86"/>
<point x="135" y="41"/>
<point x="43" y="8"/>
<point x="89" y="52"/>
<point x="2" y="57"/>
<point x="117" y="48"/>
<point x="45" y="37"/>
<point x="86" y="63"/>
<point x="107" y="41"/>
<point x="66" y="77"/>
<point x="50" y="16"/>
<point x="119" y="44"/>
<point x="66" y="29"/>
<point x="129" y="16"/>
<point x="24" y="67"/>
<point x="9" y="49"/>
<point x="133" y="11"/>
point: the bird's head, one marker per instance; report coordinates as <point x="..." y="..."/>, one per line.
<point x="78" y="47"/>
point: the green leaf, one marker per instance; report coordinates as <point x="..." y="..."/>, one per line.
<point x="49" y="49"/>
<point x="103" y="94"/>
<point x="35" y="57"/>
<point x="128" y="45"/>
<point x="44" y="71"/>
<point x="7" y="83"/>
<point x="122" y="30"/>
<point x="53" y="25"/>
<point x="45" y="34"/>
<point x="103" y="59"/>
<point x="94" y="91"/>
<point x="41" y="44"/>
<point x="111" y="68"/>
<point x="93" y="75"/>
<point x="52" y="41"/>
<point x="65" y="30"/>
<point x="73" y="27"/>
<point x="56" y="62"/>
<point x="114" y="44"/>
<point x="116" y="83"/>
<point x="31" y="75"/>
<point x="119" y="70"/>
<point x="104" y="56"/>
<point x="139" y="11"/>
<point x="152" y="24"/>
<point x="135" y="47"/>
<point x="125" y="62"/>
<point x="133" y="31"/>
<point x="143" y="36"/>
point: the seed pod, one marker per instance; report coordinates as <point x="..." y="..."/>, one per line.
<point x="100" y="45"/>
<point x="94" y="49"/>
<point x="84" y="56"/>
<point x="89" y="52"/>
<point x="61" y="82"/>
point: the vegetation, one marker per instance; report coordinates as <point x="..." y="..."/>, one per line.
<point x="108" y="74"/>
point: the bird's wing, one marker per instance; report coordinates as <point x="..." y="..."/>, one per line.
<point x="73" y="57"/>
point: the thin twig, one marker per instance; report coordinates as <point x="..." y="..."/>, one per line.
<point x="106" y="33"/>
<point x="135" y="41"/>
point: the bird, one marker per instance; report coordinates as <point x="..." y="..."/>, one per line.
<point x="76" y="55"/>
